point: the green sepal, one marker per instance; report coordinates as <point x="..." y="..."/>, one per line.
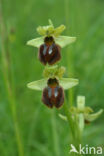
<point x="94" y="116"/>
<point x="66" y="83"/>
<point x="36" y="42"/>
<point x="37" y="85"/>
<point x="45" y="30"/>
<point x="58" y="30"/>
<point x="76" y="110"/>
<point x="54" y="71"/>
<point x="63" y="117"/>
<point x="81" y="122"/>
<point x="62" y="41"/>
<point x="49" y="30"/>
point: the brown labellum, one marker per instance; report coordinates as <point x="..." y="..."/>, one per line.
<point x="53" y="94"/>
<point x="49" y="52"/>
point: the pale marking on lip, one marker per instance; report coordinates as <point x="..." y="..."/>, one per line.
<point x="45" y="50"/>
<point x="56" y="91"/>
<point x="49" y="92"/>
<point x="50" y="49"/>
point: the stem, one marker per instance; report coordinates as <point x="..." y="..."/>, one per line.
<point x="70" y="121"/>
<point x="8" y="83"/>
<point x="55" y="134"/>
<point x="68" y="53"/>
<point x="73" y="123"/>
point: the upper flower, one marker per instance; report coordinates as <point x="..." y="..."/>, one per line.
<point x="50" y="30"/>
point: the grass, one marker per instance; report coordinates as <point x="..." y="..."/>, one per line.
<point x="84" y="61"/>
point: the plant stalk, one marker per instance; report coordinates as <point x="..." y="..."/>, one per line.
<point x="73" y="123"/>
<point x="68" y="53"/>
<point x="55" y="134"/>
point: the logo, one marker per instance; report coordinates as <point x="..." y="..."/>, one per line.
<point x="86" y="149"/>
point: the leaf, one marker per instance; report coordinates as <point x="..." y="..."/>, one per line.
<point x="36" y="42"/>
<point x="64" y="40"/>
<point x="66" y="83"/>
<point x="94" y="116"/>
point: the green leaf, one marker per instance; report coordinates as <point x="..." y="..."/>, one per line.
<point x="94" y="116"/>
<point x="64" y="40"/>
<point x="36" y="42"/>
<point x="66" y="83"/>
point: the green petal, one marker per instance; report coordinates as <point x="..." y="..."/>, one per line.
<point x="53" y="71"/>
<point x="66" y="83"/>
<point x="50" y="30"/>
<point x="64" y="40"/>
<point x="45" y="30"/>
<point x="59" y="30"/>
<point x="36" y="42"/>
<point x="92" y="117"/>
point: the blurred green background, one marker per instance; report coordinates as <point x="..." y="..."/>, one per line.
<point x="42" y="132"/>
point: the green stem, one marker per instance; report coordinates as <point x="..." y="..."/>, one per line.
<point x="68" y="53"/>
<point x="73" y="123"/>
<point x="8" y="84"/>
<point x="55" y="134"/>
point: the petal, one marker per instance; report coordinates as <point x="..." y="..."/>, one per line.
<point x="64" y="40"/>
<point x="36" y="42"/>
<point x="45" y="30"/>
<point x="59" y="30"/>
<point x="94" y="116"/>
